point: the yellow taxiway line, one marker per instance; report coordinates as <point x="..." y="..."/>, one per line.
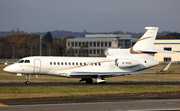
<point x="2" y="104"/>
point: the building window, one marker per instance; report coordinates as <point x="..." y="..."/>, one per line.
<point x="168" y="48"/>
<point x="83" y="43"/>
<point x="94" y="44"/>
<point x="98" y="44"/>
<point x="68" y="44"/>
<point x="90" y="51"/>
<point x="98" y="52"/>
<point x="90" y="44"/>
<point x="79" y="44"/>
<point x="75" y="51"/>
<point x="72" y="44"/>
<point x="75" y="44"/>
<point x="105" y="44"/>
<point x="109" y="44"/>
<point x="167" y="58"/>
<point x="87" y="44"/>
<point x="102" y="44"/>
<point x="94" y="51"/>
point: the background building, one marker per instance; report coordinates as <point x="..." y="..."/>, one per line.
<point x="170" y="45"/>
<point x="99" y="42"/>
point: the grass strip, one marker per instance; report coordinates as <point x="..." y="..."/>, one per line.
<point x="75" y="91"/>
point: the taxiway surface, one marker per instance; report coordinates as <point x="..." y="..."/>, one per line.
<point x="123" y="105"/>
<point x="84" y="84"/>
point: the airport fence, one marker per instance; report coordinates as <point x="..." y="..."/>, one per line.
<point x="8" y="60"/>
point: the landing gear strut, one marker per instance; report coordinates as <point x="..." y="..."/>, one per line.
<point x="27" y="79"/>
<point x="88" y="80"/>
<point x="100" y="80"/>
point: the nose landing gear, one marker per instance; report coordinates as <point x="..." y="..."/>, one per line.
<point x="27" y="79"/>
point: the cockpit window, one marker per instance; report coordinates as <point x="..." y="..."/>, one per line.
<point x="20" y="61"/>
<point x="27" y="61"/>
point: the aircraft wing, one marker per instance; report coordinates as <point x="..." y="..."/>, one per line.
<point x="112" y="74"/>
<point x="106" y="74"/>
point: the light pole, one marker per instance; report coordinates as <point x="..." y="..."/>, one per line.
<point x="40" y="44"/>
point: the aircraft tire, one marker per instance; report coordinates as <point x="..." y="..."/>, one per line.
<point x="27" y="82"/>
<point x="89" y="81"/>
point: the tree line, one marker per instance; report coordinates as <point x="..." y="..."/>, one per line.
<point x="18" y="45"/>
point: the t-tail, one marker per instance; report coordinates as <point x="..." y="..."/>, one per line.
<point x="146" y="42"/>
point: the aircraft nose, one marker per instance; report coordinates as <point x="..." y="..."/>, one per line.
<point x="10" y="69"/>
<point x="6" y="69"/>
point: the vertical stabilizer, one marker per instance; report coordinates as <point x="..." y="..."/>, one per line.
<point x="146" y="42"/>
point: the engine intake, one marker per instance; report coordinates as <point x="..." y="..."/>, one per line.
<point x="125" y="62"/>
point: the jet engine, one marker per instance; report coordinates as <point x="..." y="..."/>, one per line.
<point x="120" y="62"/>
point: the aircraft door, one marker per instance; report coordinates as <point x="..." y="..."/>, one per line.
<point x="37" y="66"/>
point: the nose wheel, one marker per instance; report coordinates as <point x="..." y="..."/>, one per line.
<point x="27" y="78"/>
<point x="27" y="82"/>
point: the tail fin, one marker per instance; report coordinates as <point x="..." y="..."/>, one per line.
<point x="146" y="42"/>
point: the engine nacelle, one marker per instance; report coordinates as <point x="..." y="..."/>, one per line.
<point x="125" y="62"/>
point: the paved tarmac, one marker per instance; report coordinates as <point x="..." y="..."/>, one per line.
<point x="84" y="84"/>
<point x="122" y="105"/>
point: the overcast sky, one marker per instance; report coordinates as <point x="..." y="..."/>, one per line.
<point x="91" y="15"/>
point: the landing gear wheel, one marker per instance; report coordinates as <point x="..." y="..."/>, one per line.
<point x="27" y="79"/>
<point x="89" y="81"/>
<point x="27" y="82"/>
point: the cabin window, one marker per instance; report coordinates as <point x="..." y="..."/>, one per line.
<point x="61" y="63"/>
<point x="54" y="63"/>
<point x="84" y="63"/>
<point x="99" y="64"/>
<point x="50" y="63"/>
<point x="69" y="63"/>
<point x="27" y="61"/>
<point x="58" y="63"/>
<point x="65" y="63"/>
<point x="92" y="64"/>
<point x="73" y="63"/>
<point x="95" y="64"/>
<point x="81" y="64"/>
<point x="77" y="63"/>
<point x="21" y="61"/>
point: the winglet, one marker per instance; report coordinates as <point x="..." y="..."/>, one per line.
<point x="166" y="68"/>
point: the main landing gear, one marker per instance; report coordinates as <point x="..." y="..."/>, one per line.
<point x="100" y="80"/>
<point x="88" y="80"/>
<point x="27" y="79"/>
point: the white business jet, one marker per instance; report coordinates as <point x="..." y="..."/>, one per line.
<point x="118" y="62"/>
